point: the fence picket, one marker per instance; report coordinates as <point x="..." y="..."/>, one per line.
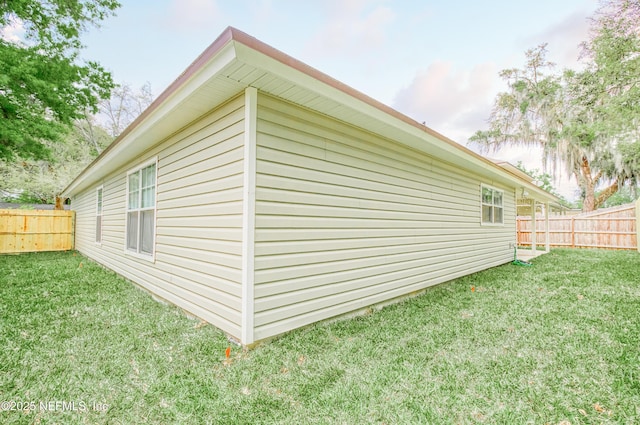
<point x="610" y="229"/>
<point x="35" y="230"/>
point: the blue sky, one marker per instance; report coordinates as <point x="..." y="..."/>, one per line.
<point x="435" y="61"/>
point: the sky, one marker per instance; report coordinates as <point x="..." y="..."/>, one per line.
<point x="436" y="61"/>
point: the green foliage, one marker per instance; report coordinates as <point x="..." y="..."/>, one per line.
<point x="588" y="120"/>
<point x="543" y="180"/>
<point x="44" y="86"/>
<point x="24" y="199"/>
<point x="527" y="114"/>
<point x="614" y="64"/>
<point x="630" y="151"/>
<point x="614" y="48"/>
<point x="40" y="180"/>
<point x="56" y="24"/>
<point x="625" y="195"/>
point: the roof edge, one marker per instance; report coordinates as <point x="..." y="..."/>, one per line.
<point x="300" y="66"/>
<point x="231" y="34"/>
<point x="261" y="47"/>
<point x="204" y="57"/>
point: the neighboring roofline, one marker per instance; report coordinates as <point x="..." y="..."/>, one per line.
<point x="230" y="35"/>
<point x="512" y="169"/>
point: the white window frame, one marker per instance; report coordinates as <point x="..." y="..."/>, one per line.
<point x="491" y="205"/>
<point x="99" y="214"/>
<point x="138" y="252"/>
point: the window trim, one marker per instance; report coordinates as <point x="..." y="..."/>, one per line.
<point x="99" y="213"/>
<point x="137" y="169"/>
<point x="483" y="204"/>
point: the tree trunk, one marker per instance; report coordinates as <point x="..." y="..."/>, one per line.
<point x="593" y="202"/>
<point x="587" y="183"/>
<point x="589" y="203"/>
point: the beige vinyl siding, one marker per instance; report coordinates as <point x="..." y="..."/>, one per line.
<point x="345" y="219"/>
<point x="198" y="221"/>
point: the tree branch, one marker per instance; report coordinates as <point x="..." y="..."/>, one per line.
<point x="606" y="194"/>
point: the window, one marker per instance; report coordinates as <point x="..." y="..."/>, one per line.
<point x="99" y="215"/>
<point x="492" y="208"/>
<point x="141" y="209"/>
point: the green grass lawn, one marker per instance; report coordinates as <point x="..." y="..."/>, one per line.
<point x="556" y="343"/>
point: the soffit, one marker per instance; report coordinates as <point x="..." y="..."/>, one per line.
<point x="270" y="75"/>
<point x="236" y="61"/>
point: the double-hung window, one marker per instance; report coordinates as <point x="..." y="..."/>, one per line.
<point x="141" y="209"/>
<point x="99" y="215"/>
<point x="492" y="205"/>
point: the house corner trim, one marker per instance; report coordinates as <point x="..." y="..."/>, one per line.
<point x="248" y="215"/>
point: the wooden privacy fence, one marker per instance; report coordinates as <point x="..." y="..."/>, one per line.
<point x="613" y="228"/>
<point x="36" y="230"/>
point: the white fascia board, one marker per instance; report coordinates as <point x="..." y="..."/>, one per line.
<point x="412" y="135"/>
<point x="155" y="125"/>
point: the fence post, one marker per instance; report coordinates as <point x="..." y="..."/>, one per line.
<point x="533" y="227"/>
<point x="73" y="230"/>
<point x="547" y="235"/>
<point x="638" y="225"/>
<point x="573" y="232"/>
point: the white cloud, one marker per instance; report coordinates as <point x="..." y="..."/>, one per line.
<point x="192" y="14"/>
<point x="453" y="102"/>
<point x="457" y="103"/>
<point x="353" y="27"/>
<point x="564" y="39"/>
<point x="14" y="32"/>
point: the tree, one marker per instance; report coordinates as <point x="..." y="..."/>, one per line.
<point x="588" y="120"/>
<point x="535" y="111"/>
<point x="613" y="51"/>
<point x="44" y="86"/>
<point x="542" y="180"/>
<point x="593" y="158"/>
<point x="40" y="180"/>
<point x="528" y="113"/>
<point x="623" y="196"/>
<point x="124" y="106"/>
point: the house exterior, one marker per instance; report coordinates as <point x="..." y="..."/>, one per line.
<point x="261" y="195"/>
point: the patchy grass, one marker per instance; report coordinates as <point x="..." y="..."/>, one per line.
<point x="556" y="343"/>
